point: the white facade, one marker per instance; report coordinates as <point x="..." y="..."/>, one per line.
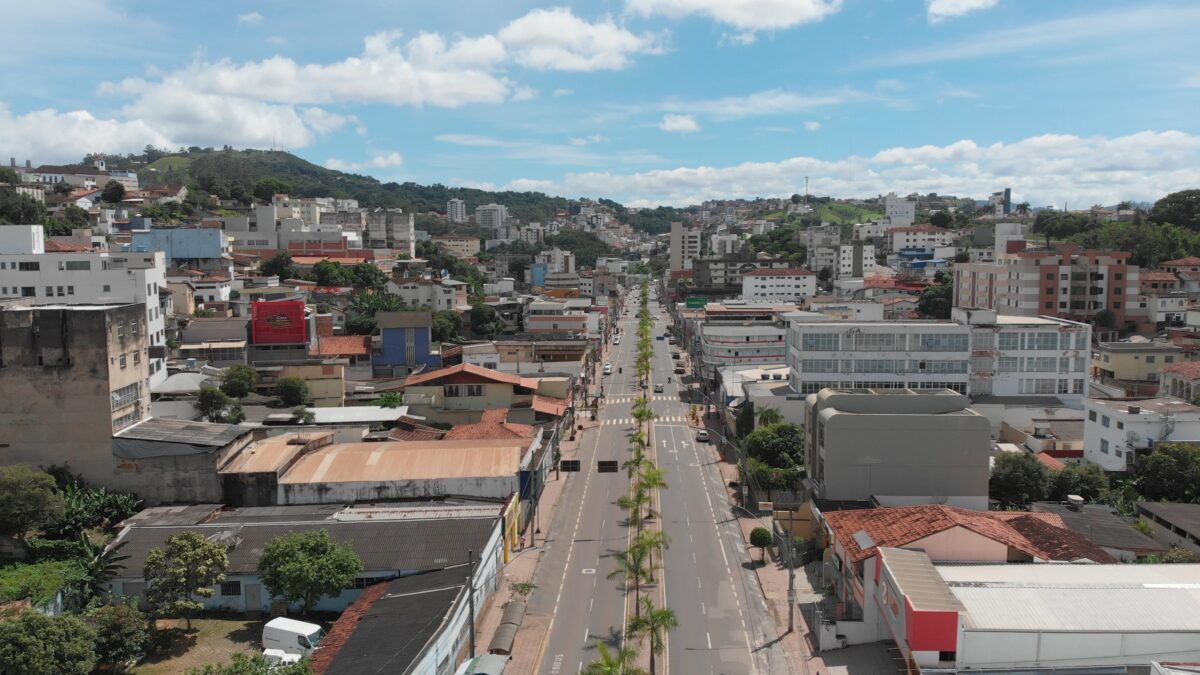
<point x="924" y="237"/>
<point x="425" y="293"/>
<point x="778" y="285"/>
<point x="722" y="245"/>
<point x="26" y="270"/>
<point x="899" y="212"/>
<point x="868" y="230"/>
<point x="685" y="246"/>
<point x="1113" y="430"/>
<point x="981" y="355"/>
<point x="456" y="211"/>
<point x="558" y="260"/>
<point x="491" y="216"/>
<point x="724" y="345"/>
<point x="855" y="259"/>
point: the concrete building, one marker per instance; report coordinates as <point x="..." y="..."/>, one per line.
<point x="897" y="447"/>
<point x="71" y="377"/>
<point x="1115" y="431"/>
<point x="778" y="285"/>
<point x="722" y="245"/>
<point x="822" y="246"/>
<point x="1135" y="362"/>
<point x="1173" y="524"/>
<point x="1065" y="282"/>
<point x="459" y="246"/>
<point x="1181" y="380"/>
<point x="391" y="229"/>
<point x="462" y="393"/>
<point x="490" y="216"/>
<point x="422" y="292"/>
<point x="685" y="246"/>
<point x="205" y="248"/>
<point x="405" y="344"/>
<point x="558" y="260"/>
<point x="456" y="211"/>
<point x="978" y="353"/>
<point x="85" y="278"/>
<point x="725" y="274"/>
<point x="898" y="211"/>
<point x="855" y="260"/>
<point x="919" y="236"/>
<point x="548" y="316"/>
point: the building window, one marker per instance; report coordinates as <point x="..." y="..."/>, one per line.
<point x="127" y="395"/>
<point x="107" y="288"/>
<point x="1104" y="421"/>
<point x="28" y="291"/>
<point x="78" y="265"/>
<point x="29" y="266"/>
<point x="1150" y="359"/>
<point x="1120" y="424"/>
<point x="70" y="290"/>
<point x="1104" y="445"/>
<point x="49" y="291"/>
<point x="231" y="589"/>
<point x="123" y="361"/>
<point x="1092" y="415"/>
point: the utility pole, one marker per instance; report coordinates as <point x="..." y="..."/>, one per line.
<point x="471" y="594"/>
<point x="791" y="558"/>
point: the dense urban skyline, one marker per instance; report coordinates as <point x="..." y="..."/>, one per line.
<point x="645" y="101"/>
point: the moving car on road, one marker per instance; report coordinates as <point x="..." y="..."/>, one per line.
<point x="678" y="370"/>
<point x="702" y="436"/>
<point x="658" y="388"/>
<point x="608" y="369"/>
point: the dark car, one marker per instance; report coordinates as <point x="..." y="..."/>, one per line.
<point x="678" y="370"/>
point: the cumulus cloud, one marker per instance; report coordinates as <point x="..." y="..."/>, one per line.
<point x="379" y="160"/>
<point x="812" y="126"/>
<point x="939" y="10"/>
<point x="679" y="123"/>
<point x="251" y="18"/>
<point x="1043" y="169"/>
<point x="744" y="15"/>
<point x="556" y="39"/>
<point x="52" y="136"/>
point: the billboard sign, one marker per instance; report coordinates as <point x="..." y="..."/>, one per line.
<point x="696" y="302"/>
<point x="278" y="323"/>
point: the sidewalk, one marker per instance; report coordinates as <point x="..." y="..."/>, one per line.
<point x="521" y="569"/>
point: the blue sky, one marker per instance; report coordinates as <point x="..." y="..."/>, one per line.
<point x="644" y="101"/>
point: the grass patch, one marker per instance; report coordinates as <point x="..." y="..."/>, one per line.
<point x="846" y="214"/>
<point x="165" y="164"/>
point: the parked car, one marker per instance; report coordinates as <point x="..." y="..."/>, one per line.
<point x="675" y="355"/>
<point x="678" y="370"/>
<point x="702" y="436"/>
<point x="608" y="369"/>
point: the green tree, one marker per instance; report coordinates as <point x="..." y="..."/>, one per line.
<point x="366" y="275"/>
<point x="28" y="500"/>
<point x="621" y="661"/>
<point x="446" y="325"/>
<point x="113" y="193"/>
<point x="652" y="623"/>
<point x="36" y="644"/>
<point x="8" y="175"/>
<point x="329" y="273"/>
<point x="1178" y="555"/>
<point x="1086" y="480"/>
<point x="216" y="406"/>
<point x="390" y="399"/>
<point x="1178" y="208"/>
<point x="292" y="391"/>
<point x="942" y="219"/>
<point x="1018" y="478"/>
<point x="121" y="634"/>
<point x="265" y="189"/>
<point x="761" y="538"/>
<point x="937" y="300"/>
<point x="306" y="566"/>
<point x="20" y="209"/>
<point x="98" y="566"/>
<point x="777" y="445"/>
<point x="1105" y="318"/>
<point x="633" y="566"/>
<point x="75" y="217"/>
<point x="188" y="567"/>
<point x="484" y="322"/>
<point x="253" y="664"/>
<point x="280" y="265"/>
<point x="768" y="416"/>
<point x="239" y="381"/>
<point x="1171" y="473"/>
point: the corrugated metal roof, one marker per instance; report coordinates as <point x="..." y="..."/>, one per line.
<point x="415" y="460"/>
<point x="1080" y="608"/>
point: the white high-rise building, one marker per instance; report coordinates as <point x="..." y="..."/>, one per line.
<point x="899" y="212"/>
<point x="685" y="246"/>
<point x="491" y="216"/>
<point x="27" y="270"/>
<point x="456" y="211"/>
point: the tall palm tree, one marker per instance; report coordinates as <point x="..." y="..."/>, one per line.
<point x="654" y="541"/>
<point x="633" y="466"/>
<point x="653" y="623"/>
<point x="622" y="661"/>
<point x="651" y="478"/>
<point x="769" y="416"/>
<point x="633" y="504"/>
<point x="634" y="567"/>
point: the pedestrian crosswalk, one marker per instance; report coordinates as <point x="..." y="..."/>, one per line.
<point x="629" y="421"/>
<point x="631" y="399"/>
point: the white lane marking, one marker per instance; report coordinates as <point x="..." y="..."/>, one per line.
<point x="708" y="639"/>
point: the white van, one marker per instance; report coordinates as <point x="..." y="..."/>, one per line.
<point x="291" y="636"/>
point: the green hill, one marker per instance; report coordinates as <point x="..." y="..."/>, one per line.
<point x="233" y="174"/>
<point x="846" y="214"/>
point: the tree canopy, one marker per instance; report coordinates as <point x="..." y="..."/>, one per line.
<point x="1018" y="478"/>
<point x="778" y="445"/>
<point x="292" y="391"/>
<point x="186" y="568"/>
<point x="937" y="300"/>
<point x="1178" y="208"/>
<point x="1170" y="473"/>
<point x="28" y="499"/>
<point x="306" y="566"/>
<point x="239" y="381"/>
<point x="37" y="644"/>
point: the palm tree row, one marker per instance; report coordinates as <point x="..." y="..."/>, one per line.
<point x="636" y="565"/>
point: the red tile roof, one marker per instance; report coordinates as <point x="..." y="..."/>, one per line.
<point x="550" y="406"/>
<point x="56" y="246"/>
<point x="342" y="345"/>
<point x="1190" y="261"/>
<point x="409" y="429"/>
<point x="470" y="369"/>
<point x="341" y="630"/>
<point x="1052" y="463"/>
<point x="1151" y="275"/>
<point x="898" y="527"/>
<point x="1188" y="370"/>
<point x="494" y="424"/>
<point x="800" y="271"/>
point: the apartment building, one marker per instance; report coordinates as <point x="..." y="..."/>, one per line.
<point x="438" y="295"/>
<point x="456" y="211"/>
<point x="491" y="216"/>
<point x="1116" y="430"/>
<point x="548" y="316"/>
<point x="898" y="211"/>
<point x="726" y="273"/>
<point x="725" y="244"/>
<point x="778" y="285"/>
<point x="918" y="236"/>
<point x="977" y="352"/>
<point x="822" y="246"/>
<point x="558" y="260"/>
<point x="1064" y="282"/>
<point x="1135" y="361"/>
<point x="459" y="246"/>
<point x="391" y="229"/>
<point x="85" y="278"/>
<point x="855" y="260"/>
<point x="741" y="334"/>
<point x="685" y="246"/>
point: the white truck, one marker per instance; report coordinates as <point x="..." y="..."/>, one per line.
<point x="290" y="636"/>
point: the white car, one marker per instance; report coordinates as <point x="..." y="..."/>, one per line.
<point x="608" y="369"/>
<point x="702" y="435"/>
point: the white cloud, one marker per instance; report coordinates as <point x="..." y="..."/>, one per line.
<point x="383" y="160"/>
<point x="388" y="159"/>
<point x="524" y="94"/>
<point x="251" y="18"/>
<point x="939" y="10"/>
<point x="679" y="123"/>
<point x="588" y="140"/>
<point x="324" y="122"/>
<point x="556" y="39"/>
<point x="745" y="15"/>
<point x="277" y="40"/>
<point x="812" y="126"/>
<point x="559" y="93"/>
<point x="49" y="136"/>
<point x="1041" y="169"/>
<point x="1101" y="27"/>
<point x="767" y="102"/>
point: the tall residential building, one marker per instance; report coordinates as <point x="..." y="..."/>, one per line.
<point x="71" y="377"/>
<point x="722" y="245"/>
<point x="491" y="216"/>
<point x="685" y="246"/>
<point x="899" y="212"/>
<point x="855" y="260"/>
<point x="72" y="277"/>
<point x="918" y="236"/>
<point x="558" y="261"/>
<point x="978" y="352"/>
<point x="1065" y="282"/>
<point x="778" y="285"/>
<point x="456" y="211"/>
<point x="391" y="229"/>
